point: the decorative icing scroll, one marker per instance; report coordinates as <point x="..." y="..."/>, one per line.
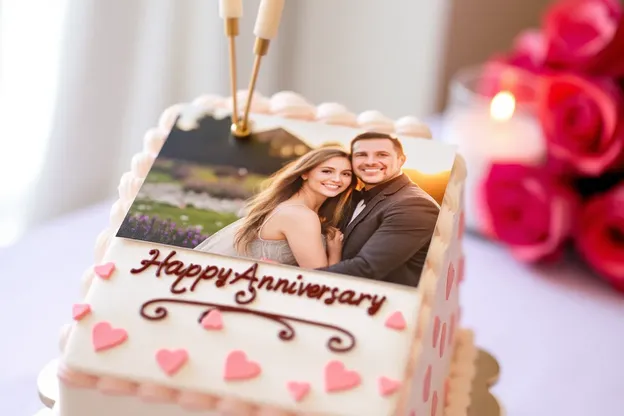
<point x="338" y="343"/>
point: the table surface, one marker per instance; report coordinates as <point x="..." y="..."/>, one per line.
<point x="558" y="333"/>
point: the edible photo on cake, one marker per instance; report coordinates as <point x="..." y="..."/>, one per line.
<point x="297" y="193"/>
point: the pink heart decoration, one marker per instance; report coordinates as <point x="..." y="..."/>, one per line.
<point x="105" y="270"/>
<point x="80" y="310"/>
<point x="450" y="278"/>
<point x="460" y="272"/>
<point x="396" y="321"/>
<point x="412" y="413"/>
<point x="427" y="384"/>
<point x="170" y="361"/>
<point x="238" y="367"/>
<point x="436" y="330"/>
<point x="298" y="390"/>
<point x="337" y="378"/>
<point x="213" y="320"/>
<point x="443" y="340"/>
<point x="104" y="336"/>
<point x="388" y="386"/>
<point x="451" y="330"/>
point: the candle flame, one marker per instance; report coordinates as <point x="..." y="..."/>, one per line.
<point x="503" y="106"/>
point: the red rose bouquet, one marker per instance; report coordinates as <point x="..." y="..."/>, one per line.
<point x="576" y="197"/>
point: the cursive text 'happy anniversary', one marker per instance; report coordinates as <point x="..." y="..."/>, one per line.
<point x="188" y="277"/>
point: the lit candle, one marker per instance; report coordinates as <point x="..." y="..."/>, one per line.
<point x="494" y="131"/>
<point x="231" y="9"/>
<point x="268" y="20"/>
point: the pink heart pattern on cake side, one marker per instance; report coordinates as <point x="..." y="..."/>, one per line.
<point x="427" y="384"/>
<point x="450" y="278"/>
<point x="396" y="321"/>
<point x="238" y="367"/>
<point x="170" y="361"/>
<point x="213" y="320"/>
<point x="436" y="331"/>
<point x="80" y="310"/>
<point x="443" y="340"/>
<point x="338" y="378"/>
<point x="434" y="404"/>
<point x="460" y="269"/>
<point x="105" y="337"/>
<point x="388" y="386"/>
<point x="451" y="335"/>
<point x="298" y="390"/>
<point x="105" y="270"/>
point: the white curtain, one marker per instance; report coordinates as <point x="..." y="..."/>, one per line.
<point x="82" y="80"/>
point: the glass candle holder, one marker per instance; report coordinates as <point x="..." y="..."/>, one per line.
<point x="491" y="117"/>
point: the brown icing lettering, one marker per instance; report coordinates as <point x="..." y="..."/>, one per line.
<point x="189" y="277"/>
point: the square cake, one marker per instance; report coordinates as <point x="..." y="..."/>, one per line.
<point x="167" y="329"/>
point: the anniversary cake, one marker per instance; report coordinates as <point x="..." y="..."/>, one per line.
<point x="171" y="331"/>
<point x="203" y="301"/>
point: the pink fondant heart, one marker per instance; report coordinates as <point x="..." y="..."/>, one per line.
<point x="213" y="320"/>
<point x="443" y="340"/>
<point x="434" y="404"/>
<point x="337" y="378"/>
<point x="104" y="336"/>
<point x="238" y="367"/>
<point x="298" y="390"/>
<point x="427" y="384"/>
<point x="396" y="321"/>
<point x="436" y="330"/>
<point x="171" y="361"/>
<point x="388" y="386"/>
<point x="460" y="269"/>
<point x="412" y="413"/>
<point x="451" y="335"/>
<point x="450" y="278"/>
<point x="105" y="270"/>
<point x="80" y="310"/>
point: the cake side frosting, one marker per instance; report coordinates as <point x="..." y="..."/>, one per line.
<point x="427" y="382"/>
<point x="108" y="247"/>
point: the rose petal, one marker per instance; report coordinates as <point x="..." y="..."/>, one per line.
<point x="580" y="121"/>
<point x="527" y="209"/>
<point x="600" y="239"/>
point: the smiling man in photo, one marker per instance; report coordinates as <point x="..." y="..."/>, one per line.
<point x="389" y="228"/>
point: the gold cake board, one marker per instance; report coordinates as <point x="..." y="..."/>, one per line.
<point x="482" y="402"/>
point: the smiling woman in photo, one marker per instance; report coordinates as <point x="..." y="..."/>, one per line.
<point x="295" y="219"/>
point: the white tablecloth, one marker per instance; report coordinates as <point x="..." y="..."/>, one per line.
<point x="558" y="333"/>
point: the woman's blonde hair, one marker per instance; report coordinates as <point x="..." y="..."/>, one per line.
<point x="284" y="184"/>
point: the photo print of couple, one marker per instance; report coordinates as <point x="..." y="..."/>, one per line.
<point x="296" y="193"/>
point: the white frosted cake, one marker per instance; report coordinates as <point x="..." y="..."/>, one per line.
<point x="165" y="330"/>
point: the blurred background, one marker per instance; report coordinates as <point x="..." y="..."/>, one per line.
<point x="81" y="81"/>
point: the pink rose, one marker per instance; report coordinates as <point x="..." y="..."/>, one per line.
<point x="529" y="51"/>
<point x="586" y="36"/>
<point x="580" y="122"/>
<point x="600" y="238"/>
<point x="527" y="210"/>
